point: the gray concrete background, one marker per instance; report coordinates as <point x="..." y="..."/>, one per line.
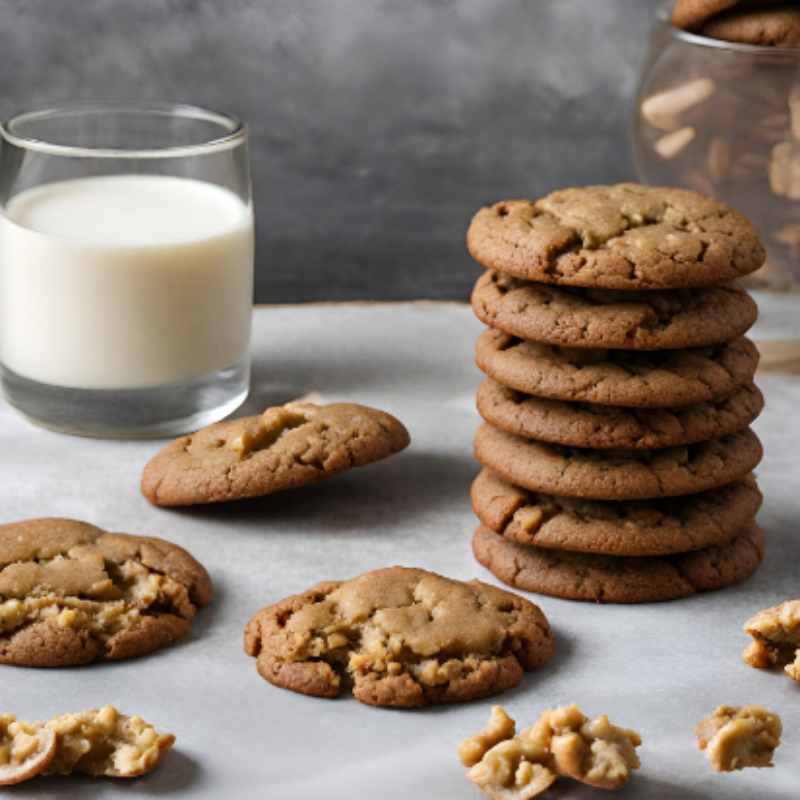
<point x="378" y="127"/>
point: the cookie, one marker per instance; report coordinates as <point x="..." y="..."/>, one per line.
<point x="692" y="14"/>
<point x="619" y="579"/>
<point x="71" y="593"/>
<point x="24" y="753"/>
<point x="633" y="528"/>
<point x="589" y="425"/>
<point x="283" y="448"/>
<point x="767" y="27"/>
<point x="658" y="379"/>
<point x="616" y="474"/>
<point x="401" y="637"/>
<point x="738" y="737"/>
<point x="617" y="237"/>
<point x="604" y="318"/>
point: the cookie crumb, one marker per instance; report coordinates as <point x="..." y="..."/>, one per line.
<point x="739" y="737"/>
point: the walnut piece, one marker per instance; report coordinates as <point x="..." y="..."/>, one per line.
<point x="260" y="433"/>
<point x="777" y="639"/>
<point x="735" y="738"/>
<point x="24" y="752"/>
<point x="562" y="742"/>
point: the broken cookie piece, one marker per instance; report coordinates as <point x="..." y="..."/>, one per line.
<point x="71" y="593"/>
<point x="739" y="737"/>
<point x="283" y="448"/>
<point x="400" y="637"/>
<point x="777" y="639"/>
<point x="106" y="743"/>
<point x="25" y="750"/>
<point x="562" y="742"/>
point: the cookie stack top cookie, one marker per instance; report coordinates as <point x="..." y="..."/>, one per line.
<point x="619" y="393"/>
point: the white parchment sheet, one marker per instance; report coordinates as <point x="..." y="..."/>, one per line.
<point x="655" y="668"/>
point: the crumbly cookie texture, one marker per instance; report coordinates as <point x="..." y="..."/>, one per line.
<point x="739" y="737"/>
<point x="283" y="448"/>
<point x="577" y="317"/>
<point x="659" y="379"/>
<point x="777" y="638"/>
<point x="71" y="593"/>
<point x="562" y="742"/>
<point x="617" y="237"/>
<point x="633" y="528"/>
<point x="106" y="742"/>
<point x="401" y="637"/>
<point x="592" y="425"/>
<point x="25" y="751"/>
<point x="616" y="474"/>
<point x="619" y="579"/>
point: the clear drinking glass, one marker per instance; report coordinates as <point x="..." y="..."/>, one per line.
<point x="126" y="267"/>
<point x="724" y="119"/>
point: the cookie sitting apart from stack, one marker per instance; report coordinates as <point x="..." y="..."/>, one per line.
<point x="616" y="449"/>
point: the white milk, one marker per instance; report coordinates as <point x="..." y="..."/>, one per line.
<point x="127" y="281"/>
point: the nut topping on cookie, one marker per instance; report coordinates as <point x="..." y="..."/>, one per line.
<point x="71" y="593"/>
<point x="735" y="738"/>
<point x="402" y="637"/>
<point x="777" y="638"/>
<point x="283" y="448"/>
<point x="24" y="751"/>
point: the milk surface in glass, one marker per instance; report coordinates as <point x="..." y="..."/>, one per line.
<point x="121" y="282"/>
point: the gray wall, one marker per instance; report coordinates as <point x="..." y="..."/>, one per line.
<point x="378" y="127"/>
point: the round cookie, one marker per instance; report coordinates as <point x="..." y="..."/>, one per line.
<point x="765" y="27"/>
<point x="596" y="426"/>
<point x="404" y="637"/>
<point x="653" y="379"/>
<point x="72" y="593"/>
<point x="605" y="318"/>
<point x="633" y="528"/>
<point x="692" y="14"/>
<point x="617" y="237"/>
<point x="283" y="448"/>
<point x="619" y="579"/>
<point x="616" y="474"/>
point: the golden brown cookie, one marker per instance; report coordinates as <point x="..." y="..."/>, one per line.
<point x="604" y="318"/>
<point x="71" y="593"/>
<point x="613" y="579"/>
<point x="286" y="447"/>
<point x="617" y="377"/>
<point x="616" y="474"/>
<point x="401" y="637"/>
<point x="633" y="528"/>
<point x="590" y="425"/>
<point x="617" y="237"/>
<point x="692" y="14"/>
<point x="777" y="26"/>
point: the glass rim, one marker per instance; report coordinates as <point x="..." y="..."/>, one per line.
<point x="664" y="13"/>
<point x="236" y="130"/>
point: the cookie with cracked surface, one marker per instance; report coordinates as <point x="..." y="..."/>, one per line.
<point x="652" y="379"/>
<point x="691" y="15"/>
<point x="71" y="593"/>
<point x="778" y="26"/>
<point x="606" y="318"/>
<point x="596" y="426"/>
<point x="632" y="528"/>
<point x="401" y="637"/>
<point x="24" y="753"/>
<point x="617" y="237"/>
<point x="619" y="579"/>
<point x="616" y="474"/>
<point x="283" y="448"/>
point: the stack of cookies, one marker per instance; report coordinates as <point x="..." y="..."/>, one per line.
<point x="616" y="449"/>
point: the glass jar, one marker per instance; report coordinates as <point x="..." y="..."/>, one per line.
<point x="724" y="119"/>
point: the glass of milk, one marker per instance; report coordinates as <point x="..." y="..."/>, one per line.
<point x="126" y="267"/>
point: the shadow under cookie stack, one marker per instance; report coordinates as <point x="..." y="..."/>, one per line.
<point x="617" y="450"/>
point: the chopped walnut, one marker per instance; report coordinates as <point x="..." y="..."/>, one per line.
<point x="562" y="742"/>
<point x="259" y="433"/>
<point x="735" y="738"/>
<point x="777" y="638"/>
<point x="25" y="750"/>
<point x="499" y="728"/>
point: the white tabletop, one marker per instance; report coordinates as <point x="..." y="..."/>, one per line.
<point x="655" y="668"/>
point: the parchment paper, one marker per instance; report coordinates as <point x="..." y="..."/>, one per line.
<point x="655" y="668"/>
